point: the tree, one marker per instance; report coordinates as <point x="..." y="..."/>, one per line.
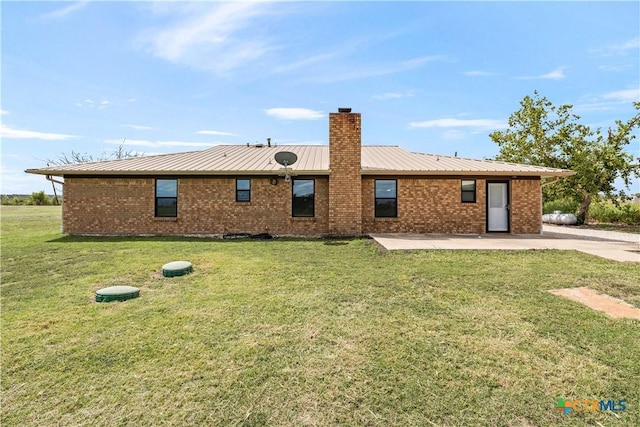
<point x="544" y="135"/>
<point x="77" y="157"/>
<point x="39" y="199"/>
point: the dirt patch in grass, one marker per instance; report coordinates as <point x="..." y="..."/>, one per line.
<point x="612" y="307"/>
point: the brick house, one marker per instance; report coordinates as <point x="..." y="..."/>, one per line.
<point x="341" y="189"/>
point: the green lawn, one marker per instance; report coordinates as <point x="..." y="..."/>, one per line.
<point x="304" y="332"/>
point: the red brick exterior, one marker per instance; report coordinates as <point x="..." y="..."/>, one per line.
<point x="206" y="205"/>
<point x="345" y="183"/>
<point x="344" y="201"/>
<point x="434" y="205"/>
<point x="526" y="206"/>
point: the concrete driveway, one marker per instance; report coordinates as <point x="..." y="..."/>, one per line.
<point x="602" y="246"/>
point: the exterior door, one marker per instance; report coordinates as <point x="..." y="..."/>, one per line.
<point x="497" y="206"/>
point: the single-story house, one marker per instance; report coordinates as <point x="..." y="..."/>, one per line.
<point x="343" y="189"/>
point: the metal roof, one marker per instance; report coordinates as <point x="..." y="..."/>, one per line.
<point x="380" y="160"/>
<point x="312" y="160"/>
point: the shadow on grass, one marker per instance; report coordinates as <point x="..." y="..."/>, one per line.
<point x="329" y="241"/>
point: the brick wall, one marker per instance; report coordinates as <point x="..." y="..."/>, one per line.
<point x="526" y="206"/>
<point x="345" y="189"/>
<point x="433" y="205"/>
<point x="206" y="205"/>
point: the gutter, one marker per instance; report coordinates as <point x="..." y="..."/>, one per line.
<point x="50" y="178"/>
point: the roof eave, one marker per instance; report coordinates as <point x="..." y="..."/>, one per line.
<point x="170" y="172"/>
<point x="542" y="174"/>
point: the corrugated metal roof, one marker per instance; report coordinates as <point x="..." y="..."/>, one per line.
<point x="312" y="160"/>
<point x="394" y="160"/>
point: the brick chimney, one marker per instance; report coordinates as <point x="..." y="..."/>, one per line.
<point x="345" y="180"/>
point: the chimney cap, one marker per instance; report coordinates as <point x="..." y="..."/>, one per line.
<point x="344" y="110"/>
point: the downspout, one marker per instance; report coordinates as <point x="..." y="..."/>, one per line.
<point x="52" y="180"/>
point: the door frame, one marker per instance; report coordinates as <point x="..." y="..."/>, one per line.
<point x="508" y="184"/>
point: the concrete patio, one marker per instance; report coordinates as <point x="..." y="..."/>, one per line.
<point x="623" y="251"/>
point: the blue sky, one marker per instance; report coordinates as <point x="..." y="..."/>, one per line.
<point x="433" y="77"/>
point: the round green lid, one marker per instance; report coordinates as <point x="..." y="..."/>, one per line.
<point x="176" y="268"/>
<point x="117" y="293"/>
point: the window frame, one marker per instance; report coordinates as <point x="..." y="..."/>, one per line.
<point x="294" y="198"/>
<point x="243" y="191"/>
<point x="376" y="199"/>
<point x="157" y="198"/>
<point x="463" y="191"/>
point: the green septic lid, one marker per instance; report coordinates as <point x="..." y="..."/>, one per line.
<point x="176" y="268"/>
<point x="117" y="293"/>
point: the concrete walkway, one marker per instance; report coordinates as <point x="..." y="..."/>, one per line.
<point x="586" y="233"/>
<point x="616" y="250"/>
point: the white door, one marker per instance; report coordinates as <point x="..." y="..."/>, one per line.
<point x="498" y="206"/>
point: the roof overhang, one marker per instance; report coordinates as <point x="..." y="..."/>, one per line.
<point x="541" y="174"/>
<point x="64" y="173"/>
<point x="364" y="172"/>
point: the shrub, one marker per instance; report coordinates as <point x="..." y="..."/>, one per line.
<point x="564" y="205"/>
<point x="606" y="211"/>
<point x="39" y="199"/>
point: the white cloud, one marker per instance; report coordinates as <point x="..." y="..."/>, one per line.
<point x="609" y="101"/>
<point x="628" y="95"/>
<point x="312" y="60"/>
<point x="618" y="49"/>
<point x="156" y="144"/>
<point x="16" y="181"/>
<point x="339" y="73"/>
<point x="479" y="73"/>
<point x="556" y="74"/>
<point x="475" y="124"/>
<point x="10" y="133"/>
<point x="64" y="11"/>
<point x="215" y="132"/>
<point x="90" y="103"/>
<point x="137" y="127"/>
<point x="394" y="95"/>
<point x="294" y="113"/>
<point x="216" y="37"/>
<point x="3" y="112"/>
<point x="615" y="68"/>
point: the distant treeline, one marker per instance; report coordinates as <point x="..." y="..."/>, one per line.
<point x="37" y="199"/>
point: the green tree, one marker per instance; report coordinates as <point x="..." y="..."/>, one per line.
<point x="39" y="199"/>
<point x="545" y="135"/>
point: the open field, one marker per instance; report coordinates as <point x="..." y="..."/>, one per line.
<point x="304" y="332"/>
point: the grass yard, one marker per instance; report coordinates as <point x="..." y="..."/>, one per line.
<point x="304" y="332"/>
